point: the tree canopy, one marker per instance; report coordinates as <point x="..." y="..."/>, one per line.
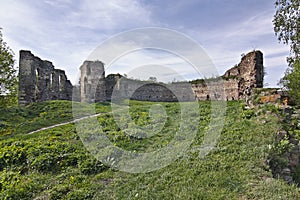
<point x="287" y="25"/>
<point x="287" y="28"/>
<point x="8" y="78"/>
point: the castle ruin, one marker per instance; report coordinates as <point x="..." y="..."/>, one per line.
<point x="40" y="81"/>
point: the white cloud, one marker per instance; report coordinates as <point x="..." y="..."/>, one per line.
<point x="255" y="26"/>
<point x="163" y="65"/>
<point x="66" y="31"/>
<point x="225" y="45"/>
<point x="109" y="15"/>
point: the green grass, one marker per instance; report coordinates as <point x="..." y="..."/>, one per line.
<point x="54" y="164"/>
<point x="38" y="115"/>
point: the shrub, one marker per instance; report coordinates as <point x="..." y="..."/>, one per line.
<point x="91" y="166"/>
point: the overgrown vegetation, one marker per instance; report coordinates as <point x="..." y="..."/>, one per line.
<point x="211" y="79"/>
<point x="16" y="120"/>
<point x="8" y="77"/>
<point x="283" y="147"/>
<point x="54" y="164"/>
<point x="287" y="28"/>
<point x="291" y="81"/>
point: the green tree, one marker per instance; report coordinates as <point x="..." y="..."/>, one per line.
<point x="291" y="81"/>
<point x="8" y="77"/>
<point x="287" y="28"/>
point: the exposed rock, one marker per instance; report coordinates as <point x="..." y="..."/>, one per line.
<point x="288" y="179"/>
<point x="286" y="171"/>
<point x="291" y="156"/>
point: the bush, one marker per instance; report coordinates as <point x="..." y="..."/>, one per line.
<point x="46" y="163"/>
<point x="248" y="114"/>
<point x="12" y="155"/>
<point x="91" y="166"/>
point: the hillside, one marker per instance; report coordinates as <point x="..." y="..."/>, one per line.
<point x="54" y="164"/>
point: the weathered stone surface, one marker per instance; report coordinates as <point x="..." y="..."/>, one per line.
<point x="92" y="82"/>
<point x="217" y="90"/>
<point x="249" y="73"/>
<point x="40" y="81"/>
<point x="232" y="85"/>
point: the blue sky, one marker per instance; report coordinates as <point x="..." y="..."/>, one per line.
<point x="67" y="31"/>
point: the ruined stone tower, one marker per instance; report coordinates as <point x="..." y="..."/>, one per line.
<point x="92" y="82"/>
<point x="249" y="73"/>
<point x="40" y="81"/>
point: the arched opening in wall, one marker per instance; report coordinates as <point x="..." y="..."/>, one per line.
<point x="118" y="84"/>
<point x="59" y="83"/>
<point x="48" y="82"/>
<point x="207" y="97"/>
<point x="89" y="88"/>
<point x="36" y="87"/>
<point x="88" y="70"/>
<point x="51" y="81"/>
<point x="85" y="85"/>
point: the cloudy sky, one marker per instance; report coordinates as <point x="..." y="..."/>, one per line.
<point x="66" y="32"/>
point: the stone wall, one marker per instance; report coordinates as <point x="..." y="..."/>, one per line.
<point x="218" y="89"/>
<point x="40" y="81"/>
<point x="249" y="73"/>
<point x="152" y="91"/>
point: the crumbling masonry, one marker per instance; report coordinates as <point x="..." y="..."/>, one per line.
<point x="40" y="81"/>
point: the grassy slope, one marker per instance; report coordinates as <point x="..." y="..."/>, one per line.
<point x="43" y="114"/>
<point x="54" y="164"/>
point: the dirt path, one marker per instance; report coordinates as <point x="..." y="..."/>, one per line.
<point x="61" y="124"/>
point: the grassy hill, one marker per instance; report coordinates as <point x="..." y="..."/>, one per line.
<point x="54" y="163"/>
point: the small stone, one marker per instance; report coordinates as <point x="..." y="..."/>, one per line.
<point x="294" y="141"/>
<point x="286" y="171"/>
<point x="288" y="179"/>
<point x="281" y="134"/>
